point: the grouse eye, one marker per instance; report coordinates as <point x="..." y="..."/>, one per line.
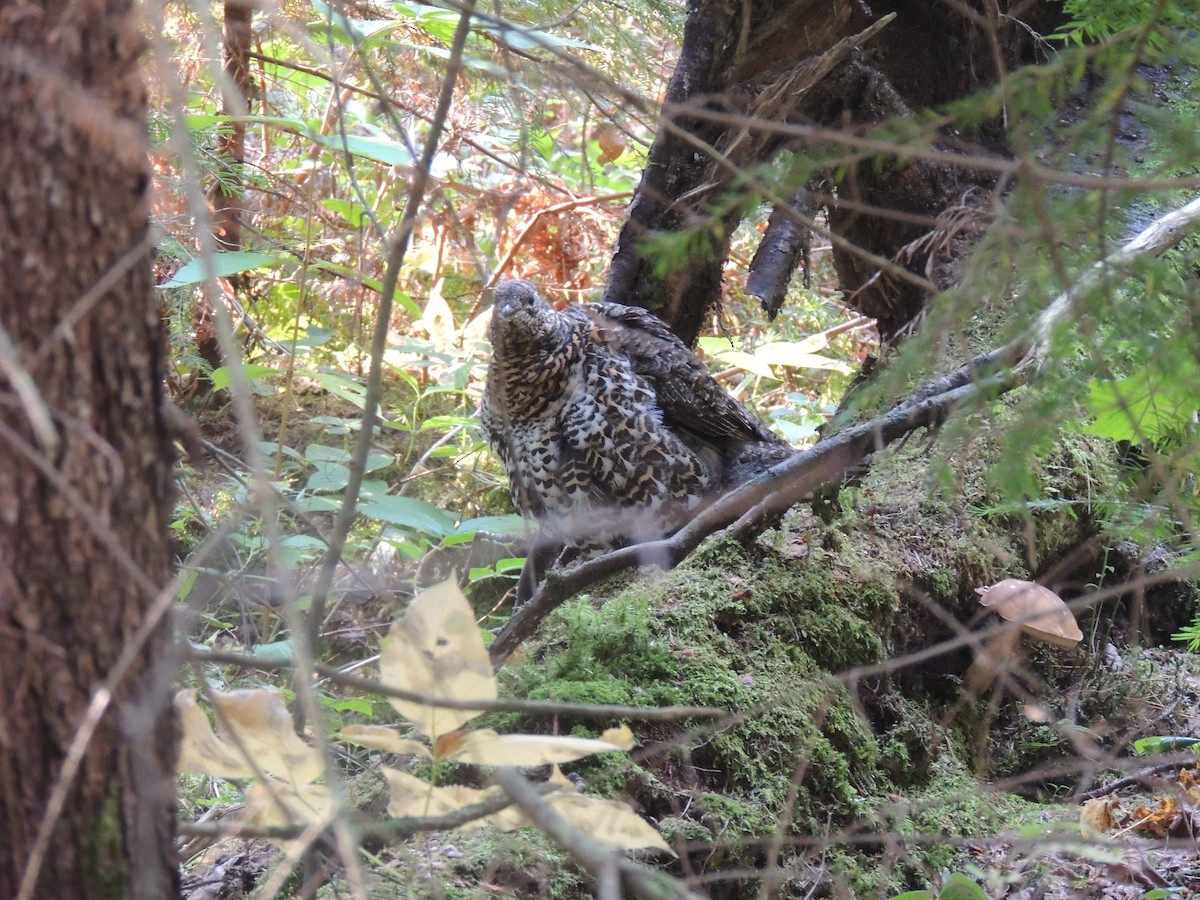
<point x="513" y="296"/>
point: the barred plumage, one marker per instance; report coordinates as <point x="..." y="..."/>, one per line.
<point x="611" y="430"/>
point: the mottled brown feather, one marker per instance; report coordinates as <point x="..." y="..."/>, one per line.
<point x="610" y="428"/>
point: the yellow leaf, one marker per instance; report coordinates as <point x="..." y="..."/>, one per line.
<point x="258" y="722"/>
<point x="436" y="650"/>
<point x="380" y="737"/>
<point x="254" y="736"/>
<point x="273" y="803"/>
<point x="621" y="736"/>
<point x="1096" y="818"/>
<point x="438" y="319"/>
<point x="486" y="748"/>
<point x="200" y="750"/>
<point x="610" y="822"/>
<point x="410" y="796"/>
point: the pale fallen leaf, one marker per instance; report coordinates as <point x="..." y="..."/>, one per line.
<point x="438" y="319"/>
<point x="436" y="650"/>
<point x="621" y="736"/>
<point x="1096" y="818"/>
<point x="254" y="735"/>
<point x="200" y="750"/>
<point x="380" y="737"/>
<point x="410" y="796"/>
<point x="272" y="803"/>
<point x="610" y="822"/>
<point x="257" y="721"/>
<point x="485" y="747"/>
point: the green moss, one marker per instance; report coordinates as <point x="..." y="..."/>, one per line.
<point x="768" y="630"/>
<point x="741" y="630"/>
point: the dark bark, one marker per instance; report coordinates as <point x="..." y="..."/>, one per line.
<point x="228" y="195"/>
<point x="231" y="140"/>
<point x="786" y="242"/>
<point x="755" y="63"/>
<point x="85" y="463"/>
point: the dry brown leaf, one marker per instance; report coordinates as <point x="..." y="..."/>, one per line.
<point x="1168" y="821"/>
<point x="436" y="650"/>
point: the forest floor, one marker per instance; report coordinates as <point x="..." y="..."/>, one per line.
<point x="855" y="761"/>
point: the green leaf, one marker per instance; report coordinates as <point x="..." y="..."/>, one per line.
<point x="297" y="547"/>
<point x="380" y="149"/>
<point x="201" y="121"/>
<point x="222" y="265"/>
<point x="959" y="887"/>
<point x="1149" y="405"/>
<point x="354" y="704"/>
<point x="408" y="512"/>
<point x="349" y="210"/>
<point x="349" y="389"/>
<point x="276" y="650"/>
<point x="444" y="423"/>
<point x="326" y="453"/>
<point x="914" y="895"/>
<point x="314" y="336"/>
<point x="252" y="372"/>
<point x="1163" y="744"/>
<point x="318" y="503"/>
<point x="510" y="524"/>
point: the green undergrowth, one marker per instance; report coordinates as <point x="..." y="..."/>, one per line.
<point x="825" y="761"/>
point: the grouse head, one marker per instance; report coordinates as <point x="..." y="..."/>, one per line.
<point x="522" y="320"/>
<point x="533" y="347"/>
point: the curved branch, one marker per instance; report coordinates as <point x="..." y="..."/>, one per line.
<point x="791" y="481"/>
<point x="771" y="493"/>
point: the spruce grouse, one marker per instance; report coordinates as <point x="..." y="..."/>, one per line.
<point x="611" y="430"/>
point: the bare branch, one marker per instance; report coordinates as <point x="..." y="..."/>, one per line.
<point x="540" y="707"/>
<point x="791" y="481"/>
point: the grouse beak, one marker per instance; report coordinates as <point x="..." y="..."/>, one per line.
<point x="513" y="296"/>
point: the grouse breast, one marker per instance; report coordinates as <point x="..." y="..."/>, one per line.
<point x="610" y="429"/>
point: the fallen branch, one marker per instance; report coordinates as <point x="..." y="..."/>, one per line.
<point x="771" y="493"/>
<point x="775" y="491"/>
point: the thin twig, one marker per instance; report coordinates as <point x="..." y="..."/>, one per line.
<point x="597" y="858"/>
<point x="540" y="707"/>
<point x="371" y="400"/>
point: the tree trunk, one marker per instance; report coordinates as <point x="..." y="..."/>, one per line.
<point x="745" y="66"/>
<point x="85" y="466"/>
